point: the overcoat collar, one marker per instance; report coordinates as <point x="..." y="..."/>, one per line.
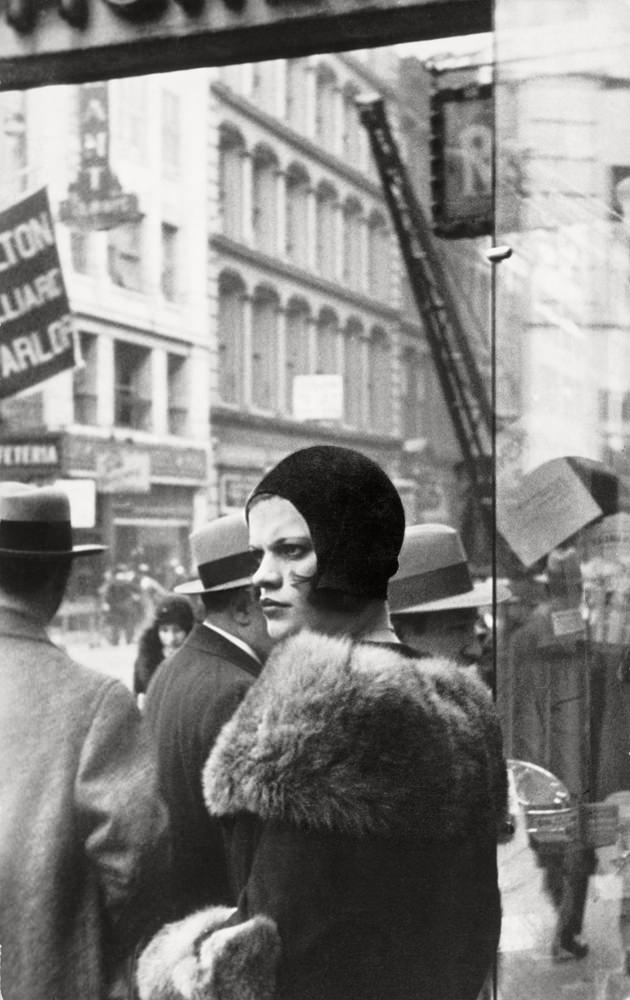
<point x="22" y="624"/>
<point x="207" y="641"/>
<point x="361" y="739"/>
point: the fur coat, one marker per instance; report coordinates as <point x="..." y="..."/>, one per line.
<point x="361" y="791"/>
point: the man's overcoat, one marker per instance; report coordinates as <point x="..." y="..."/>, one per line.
<point x="192" y="695"/>
<point x="83" y="833"/>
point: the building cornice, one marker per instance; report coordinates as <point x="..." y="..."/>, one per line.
<point x="225" y="415"/>
<point x="276" y="267"/>
<point x="306" y="146"/>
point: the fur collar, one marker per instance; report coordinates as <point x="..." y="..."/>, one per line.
<point x="361" y="739"/>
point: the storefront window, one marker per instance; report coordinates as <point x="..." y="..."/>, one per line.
<point x="562" y="100"/>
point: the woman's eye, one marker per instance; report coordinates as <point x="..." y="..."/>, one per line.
<point x="293" y="551"/>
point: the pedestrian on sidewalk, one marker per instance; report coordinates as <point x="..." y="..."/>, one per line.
<point x="172" y="621"/>
<point x="83" y="833"/>
<point x="194" y="693"/>
<point x="359" y="789"/>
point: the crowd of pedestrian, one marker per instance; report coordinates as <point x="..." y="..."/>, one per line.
<point x="308" y="805"/>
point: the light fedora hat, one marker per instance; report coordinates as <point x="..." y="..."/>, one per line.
<point x="221" y="553"/>
<point x="432" y="565"/>
<point x="35" y="523"/>
<point x="481" y="596"/>
<point x="433" y="574"/>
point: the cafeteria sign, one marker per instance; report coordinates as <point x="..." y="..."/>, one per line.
<point x="37" y="337"/>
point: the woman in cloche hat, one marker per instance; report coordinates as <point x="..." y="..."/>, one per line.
<point x="360" y="791"/>
<point x="173" y="619"/>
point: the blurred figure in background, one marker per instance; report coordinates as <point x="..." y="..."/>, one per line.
<point x="121" y="601"/>
<point x="151" y="592"/>
<point x="172" y="621"/>
<point x="554" y="678"/>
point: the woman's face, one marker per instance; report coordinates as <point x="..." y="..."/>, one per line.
<point x="280" y="539"/>
<point x="171" y="637"/>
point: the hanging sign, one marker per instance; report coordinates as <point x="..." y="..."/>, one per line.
<point x="37" y="337"/>
<point x="95" y="198"/>
<point x="462" y="150"/>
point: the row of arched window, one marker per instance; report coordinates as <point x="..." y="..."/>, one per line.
<point x="311" y="97"/>
<point x="263" y="343"/>
<point x="281" y="210"/>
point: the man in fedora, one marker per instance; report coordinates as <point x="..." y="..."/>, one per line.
<point x="433" y="600"/>
<point x="83" y="840"/>
<point x="194" y="693"/>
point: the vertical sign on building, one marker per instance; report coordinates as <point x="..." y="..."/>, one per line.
<point x="95" y="198"/>
<point x="462" y="152"/>
<point x="37" y="338"/>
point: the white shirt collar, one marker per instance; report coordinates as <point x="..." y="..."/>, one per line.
<point x="233" y="638"/>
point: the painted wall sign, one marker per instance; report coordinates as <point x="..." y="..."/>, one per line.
<point x="37" y="338"/>
<point x="35" y="455"/>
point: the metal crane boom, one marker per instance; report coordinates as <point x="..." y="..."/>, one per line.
<point x="462" y="384"/>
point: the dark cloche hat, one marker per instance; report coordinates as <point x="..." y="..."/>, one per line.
<point x="353" y="511"/>
<point x="175" y="610"/>
<point x="35" y="523"/>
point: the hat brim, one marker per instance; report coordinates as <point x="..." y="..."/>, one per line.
<point x="76" y="550"/>
<point x="480" y="596"/>
<point x="197" y="587"/>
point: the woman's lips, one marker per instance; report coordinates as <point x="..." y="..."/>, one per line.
<point x="273" y="607"/>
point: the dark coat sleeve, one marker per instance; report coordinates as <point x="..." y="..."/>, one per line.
<point x="150" y="655"/>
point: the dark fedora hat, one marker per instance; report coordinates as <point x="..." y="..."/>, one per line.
<point x="35" y="523"/>
<point x="221" y="553"/>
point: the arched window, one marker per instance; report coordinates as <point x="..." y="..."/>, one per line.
<point x="325" y="119"/>
<point x="354" y="374"/>
<point x="326" y="230"/>
<point x="379" y="382"/>
<point x="297" y="345"/>
<point x="264" y="354"/>
<point x="327" y="343"/>
<point x="378" y="257"/>
<point x="264" y="200"/>
<point x="412" y="394"/>
<point x="352" y="243"/>
<point x="230" y="338"/>
<point x="231" y="151"/>
<point x="296" y="93"/>
<point x="297" y="215"/>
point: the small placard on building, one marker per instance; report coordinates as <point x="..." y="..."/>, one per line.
<point x="318" y="397"/>
<point x="123" y="470"/>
